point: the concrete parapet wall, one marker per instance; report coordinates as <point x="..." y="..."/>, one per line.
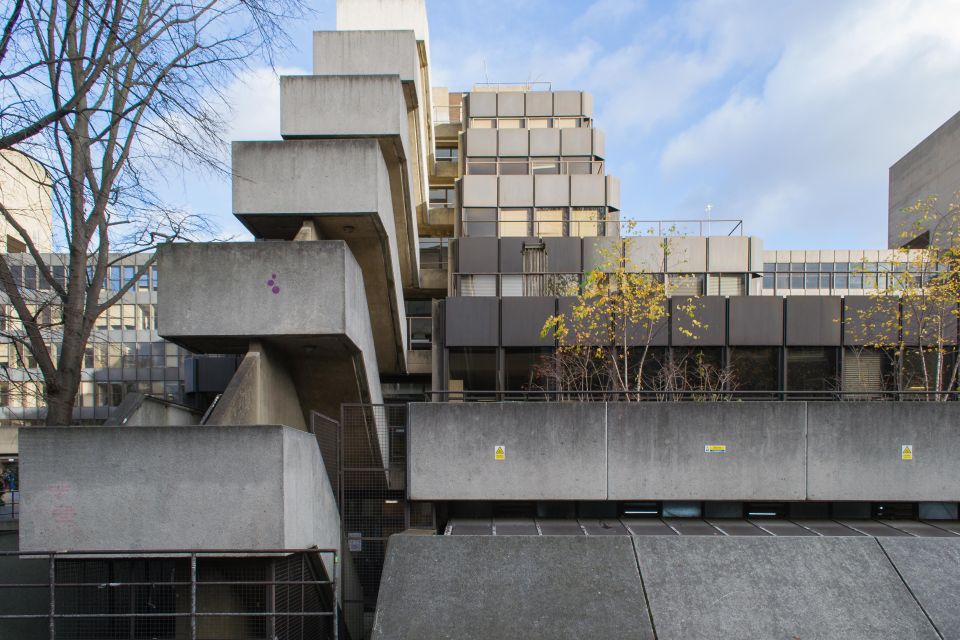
<point x="141" y="488"/>
<point x="736" y="451"/>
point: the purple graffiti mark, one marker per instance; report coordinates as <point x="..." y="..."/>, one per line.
<point x="273" y="285"/>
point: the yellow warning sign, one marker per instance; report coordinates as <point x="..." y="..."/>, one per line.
<point x="906" y="452"/>
<point x="714" y="448"/>
<point x="500" y="452"/>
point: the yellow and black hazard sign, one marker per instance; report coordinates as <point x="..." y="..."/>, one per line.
<point x="500" y="452"/>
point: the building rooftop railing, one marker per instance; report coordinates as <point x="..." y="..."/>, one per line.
<point x="690" y="395"/>
<point x="689" y="227"/>
<point x="513" y="86"/>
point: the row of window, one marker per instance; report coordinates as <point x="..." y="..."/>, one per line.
<point x="541" y="166"/>
<point x="540" y="222"/>
<point x="750" y="368"/>
<point x="837" y="280"/>
<point x="29" y="277"/>
<point x="131" y="317"/>
<point x="102" y="355"/>
<point x="555" y="122"/>
<point x="568" y="284"/>
<point x="433" y="253"/>
<point x="29" y="394"/>
<point x="846" y="267"/>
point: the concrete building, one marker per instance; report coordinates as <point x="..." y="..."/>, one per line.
<point x="932" y="168"/>
<point x="387" y="462"/>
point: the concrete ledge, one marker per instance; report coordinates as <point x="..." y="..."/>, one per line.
<point x="658" y="449"/>
<point x="141" y="488"/>
<point x="550" y="451"/>
<point x="476" y="587"/>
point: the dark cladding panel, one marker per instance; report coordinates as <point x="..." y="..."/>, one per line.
<point x="511" y="254"/>
<point x="523" y="318"/>
<point x="813" y="321"/>
<point x="477" y="255"/>
<point x="473" y="322"/>
<point x="658" y="337"/>
<point x="756" y="321"/>
<point x="563" y="255"/>
<point x="868" y="320"/>
<point x="710" y="311"/>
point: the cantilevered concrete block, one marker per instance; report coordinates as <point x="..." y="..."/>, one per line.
<point x="221" y="297"/>
<point x="141" y="488"/>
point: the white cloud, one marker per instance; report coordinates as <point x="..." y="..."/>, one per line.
<point x="254" y="99"/>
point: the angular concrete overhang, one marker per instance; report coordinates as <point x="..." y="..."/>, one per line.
<point x="200" y="487"/>
<point x="344" y="187"/>
<point x="215" y="298"/>
<point x="319" y="107"/>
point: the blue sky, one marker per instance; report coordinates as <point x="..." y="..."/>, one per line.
<point x="786" y="114"/>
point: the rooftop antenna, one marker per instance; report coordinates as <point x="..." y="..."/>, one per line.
<point x="709" y="209"/>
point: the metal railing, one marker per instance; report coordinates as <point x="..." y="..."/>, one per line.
<point x="522" y="122"/>
<point x="172" y="593"/>
<point x="513" y="86"/>
<point x="688" y="395"/>
<point x="536" y="166"/>
<point x="695" y="227"/>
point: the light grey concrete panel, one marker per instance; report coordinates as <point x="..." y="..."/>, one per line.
<point x="552" y="451"/>
<point x="756" y="321"/>
<point x="576" y="142"/>
<point x="510" y="104"/>
<point x="855" y="451"/>
<point x="687" y="254"/>
<point x="813" y="321"/>
<point x="479" y="191"/>
<point x="588" y="191"/>
<point x="656" y="451"/>
<point x="516" y="191"/>
<point x="476" y="255"/>
<point x="366" y="53"/>
<point x="586" y="104"/>
<point x="931" y="568"/>
<point x="599" y="252"/>
<point x="772" y="587"/>
<point x="613" y="192"/>
<point x="482" y="104"/>
<point x="567" y="103"/>
<point x="536" y="588"/>
<point x="481" y="143"/>
<point x="472" y="322"/>
<point x="645" y="253"/>
<point x="867" y="320"/>
<point x="513" y="142"/>
<point x="545" y="142"/>
<point x="563" y="255"/>
<point x="756" y="254"/>
<point x="343" y="106"/>
<point x="709" y="311"/>
<point x="539" y="103"/>
<point x="728" y="254"/>
<point x="599" y="143"/>
<point x="138" y="488"/>
<point x="522" y="318"/>
<point x="551" y="191"/>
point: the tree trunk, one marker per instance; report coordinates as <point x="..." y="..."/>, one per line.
<point x="61" y="397"/>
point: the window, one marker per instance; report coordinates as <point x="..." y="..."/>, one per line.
<point x="566" y="123"/>
<point x="442" y="197"/>
<point x="685" y="284"/>
<point x="114" y="280"/>
<point x="155" y="276"/>
<point x="539" y="123"/>
<point x="756" y="368"/>
<point x="521" y="369"/>
<point x="480" y="223"/>
<point x="473" y="369"/>
<point x="584" y="223"/>
<point x="562" y="284"/>
<point x="865" y="369"/>
<point x="419" y="324"/>
<point x="514" y="167"/>
<point x="60" y="274"/>
<point x="511" y="286"/>
<point x="4" y="394"/>
<point x="478" y="285"/>
<point x="811" y="369"/>
<point x="483" y="123"/>
<point x="545" y="166"/>
<point x="15" y="246"/>
<point x="719" y="284"/>
<point x="433" y="253"/>
<point x="510" y="123"/>
<point x="548" y="222"/>
<point x="579" y="165"/>
<point x="447" y="154"/>
<point x="109" y="394"/>
<point x="514" y="223"/>
<point x="485" y="167"/>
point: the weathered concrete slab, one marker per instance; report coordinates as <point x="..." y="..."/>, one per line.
<point x="657" y="451"/>
<point x="549" y="588"/>
<point x="142" y="488"/>
<point x="854" y="451"/>
<point x="770" y="587"/>
<point x="931" y="568"/>
<point x="550" y="451"/>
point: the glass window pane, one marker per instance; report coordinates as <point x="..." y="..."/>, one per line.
<point x="566" y="123"/>
<point x="511" y="285"/>
<point x="812" y="369"/>
<point x="539" y="123"/>
<point x="548" y="222"/>
<point x="756" y="368"/>
<point x="478" y="285"/>
<point x="510" y="123"/>
<point x="545" y="166"/>
<point x="485" y="167"/>
<point x="514" y="167"/>
<point x="480" y="222"/>
<point x="474" y="369"/>
<point x="514" y="223"/>
<point x="584" y="222"/>
<point x="483" y="123"/>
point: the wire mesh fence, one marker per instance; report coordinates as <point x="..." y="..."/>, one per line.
<point x="277" y="595"/>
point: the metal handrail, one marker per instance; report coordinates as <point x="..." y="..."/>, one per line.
<point x="643" y="228"/>
<point x="537" y="85"/>
<point x="596" y="166"/>
<point x="690" y="394"/>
